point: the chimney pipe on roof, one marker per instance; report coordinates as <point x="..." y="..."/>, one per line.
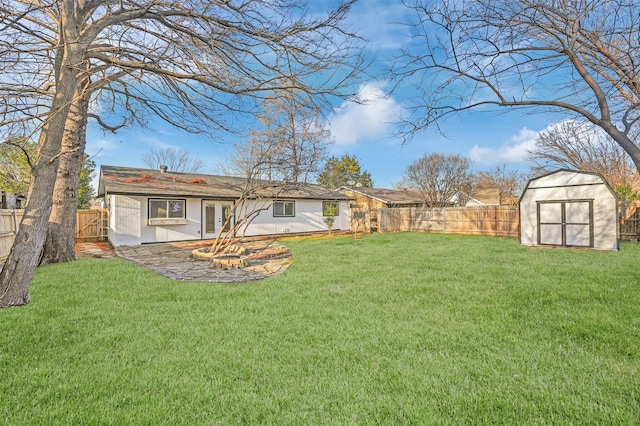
<point x="163" y="168"/>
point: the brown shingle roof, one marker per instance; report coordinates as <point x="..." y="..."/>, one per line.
<point x="388" y="196"/>
<point x="134" y="181"/>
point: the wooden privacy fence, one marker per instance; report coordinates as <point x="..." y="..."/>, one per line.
<point x="499" y="221"/>
<point x="9" y="222"/>
<point x="629" y="220"/>
<point x="91" y="225"/>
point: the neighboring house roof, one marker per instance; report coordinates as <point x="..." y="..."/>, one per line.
<point x="387" y="196"/>
<point x="400" y="197"/>
<point x="488" y="196"/>
<point x="148" y="182"/>
<point x="465" y="200"/>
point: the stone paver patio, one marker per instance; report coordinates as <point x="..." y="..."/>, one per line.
<point x="267" y="258"/>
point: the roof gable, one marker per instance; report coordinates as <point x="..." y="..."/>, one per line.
<point x="566" y="177"/>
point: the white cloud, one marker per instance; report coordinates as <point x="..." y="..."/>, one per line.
<point x="478" y="153"/>
<point x="372" y="118"/>
<point x="513" y="151"/>
<point x="96" y="145"/>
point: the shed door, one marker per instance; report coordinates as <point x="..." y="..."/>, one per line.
<point x="565" y="223"/>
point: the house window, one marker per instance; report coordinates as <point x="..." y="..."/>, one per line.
<point x="167" y="212"/>
<point x="330" y="208"/>
<point x="284" y="208"/>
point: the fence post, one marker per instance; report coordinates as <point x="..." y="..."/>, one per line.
<point x="483" y="212"/>
<point x="444" y="220"/>
<point x="15" y="222"/>
<point x="413" y="219"/>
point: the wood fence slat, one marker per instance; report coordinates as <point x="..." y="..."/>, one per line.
<point x="465" y="220"/>
<point x="630" y="220"/>
<point x="90" y="225"/>
<point x="9" y="222"/>
<point x="487" y="220"/>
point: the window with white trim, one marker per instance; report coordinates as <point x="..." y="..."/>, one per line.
<point x="330" y="208"/>
<point x="284" y="209"/>
<point x="167" y="211"/>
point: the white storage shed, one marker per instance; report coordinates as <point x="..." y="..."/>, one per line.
<point x="567" y="208"/>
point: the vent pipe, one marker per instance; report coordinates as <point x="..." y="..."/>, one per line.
<point x="163" y="169"/>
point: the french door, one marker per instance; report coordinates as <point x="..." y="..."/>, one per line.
<point x="216" y="215"/>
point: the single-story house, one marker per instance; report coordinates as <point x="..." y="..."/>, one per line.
<point x="148" y="206"/>
<point x="568" y="208"/>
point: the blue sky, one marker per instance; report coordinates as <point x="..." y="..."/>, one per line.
<point x="488" y="138"/>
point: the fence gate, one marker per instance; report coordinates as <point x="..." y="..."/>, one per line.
<point x="91" y="225"/>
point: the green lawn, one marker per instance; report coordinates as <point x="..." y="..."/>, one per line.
<point x="393" y="329"/>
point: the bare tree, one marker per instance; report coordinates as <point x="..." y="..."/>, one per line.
<point x="59" y="245"/>
<point x="582" y="146"/>
<point x="284" y="152"/>
<point x="441" y="180"/>
<point x="290" y="143"/>
<point x="16" y="275"/>
<point x="508" y="183"/>
<point x="215" y="54"/>
<point x="257" y="195"/>
<point x="176" y="159"/>
<point x="574" y="56"/>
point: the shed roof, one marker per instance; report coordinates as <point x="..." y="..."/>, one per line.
<point x="566" y="178"/>
<point x="150" y="182"/>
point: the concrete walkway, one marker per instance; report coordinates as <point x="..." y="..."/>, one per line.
<point x="267" y="258"/>
<point x="95" y="249"/>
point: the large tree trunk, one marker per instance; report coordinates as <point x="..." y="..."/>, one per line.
<point x="59" y="245"/>
<point x="19" y="268"/>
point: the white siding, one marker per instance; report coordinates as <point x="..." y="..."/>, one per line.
<point x="128" y="221"/>
<point x="124" y="220"/>
<point x="308" y="218"/>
